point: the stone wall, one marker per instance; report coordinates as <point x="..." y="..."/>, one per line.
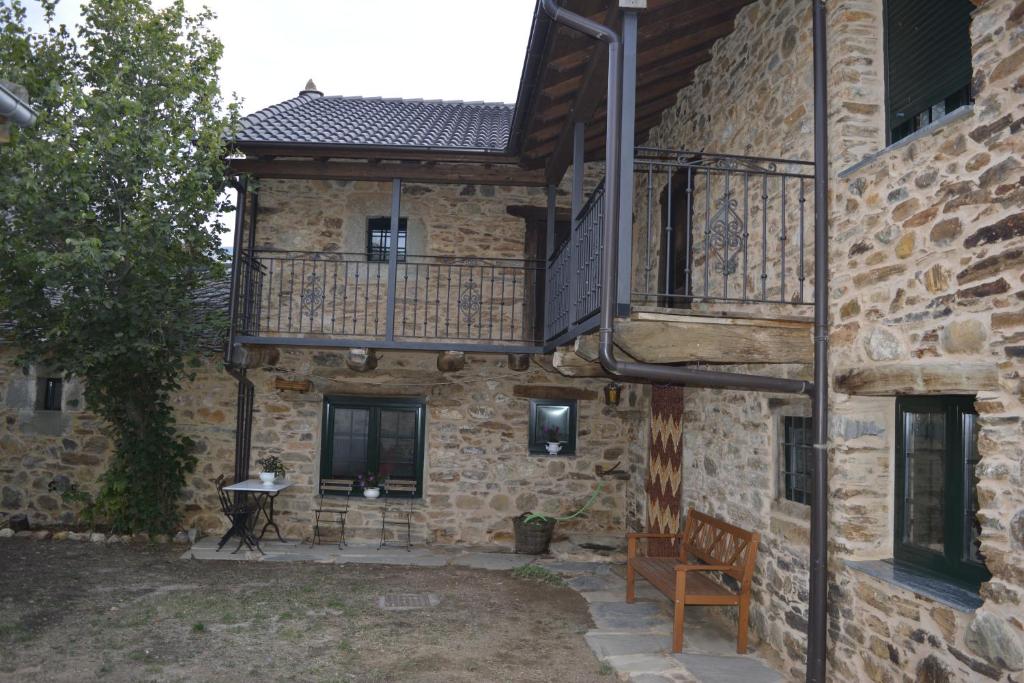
<point x="478" y="473"/>
<point x="925" y="252"/>
<point x="73" y="447"/>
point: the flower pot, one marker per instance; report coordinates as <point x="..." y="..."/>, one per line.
<point x="268" y="477"/>
<point x="533" y="538"/>
<point x="554" y="447"/>
<point x="371" y="492"/>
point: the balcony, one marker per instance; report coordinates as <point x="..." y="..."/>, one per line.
<point x="424" y="302"/>
<point x="719" y="265"/>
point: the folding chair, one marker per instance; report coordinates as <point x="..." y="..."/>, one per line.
<point x="335" y="496"/>
<point x="398" y="509"/>
<point x="241" y="516"/>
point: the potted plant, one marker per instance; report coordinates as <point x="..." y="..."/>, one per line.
<point x="273" y="469"/>
<point x="554" y="442"/>
<point x="533" y="533"/>
<point x="370" y="484"/>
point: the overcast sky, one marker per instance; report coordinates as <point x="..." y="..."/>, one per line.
<point x="441" y="49"/>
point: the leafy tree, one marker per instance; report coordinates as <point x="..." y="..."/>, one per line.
<point x="108" y="212"/>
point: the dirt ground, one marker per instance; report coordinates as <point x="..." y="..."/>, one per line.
<point x="77" y="611"/>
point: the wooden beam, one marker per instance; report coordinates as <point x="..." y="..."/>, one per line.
<point x="930" y="377"/>
<point x="536" y="213"/>
<point x="553" y="392"/>
<point x="588" y="97"/>
<point x="692" y="339"/>
<point x="336" y="170"/>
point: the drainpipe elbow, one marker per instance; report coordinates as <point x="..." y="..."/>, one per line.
<point x="606" y="354"/>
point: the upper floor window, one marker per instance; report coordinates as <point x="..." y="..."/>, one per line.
<point x="378" y="238"/>
<point x="49" y="393"/>
<point x="936" y="487"/>
<point x="927" y="62"/>
<point x="795" y="460"/>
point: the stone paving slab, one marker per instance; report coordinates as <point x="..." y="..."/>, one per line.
<point x="674" y="676"/>
<point x="598" y="582"/>
<point x="735" y="669"/>
<point x="640" y="616"/>
<point x="494" y="561"/>
<point x="611" y="644"/>
<point x="571" y="568"/>
<point x="642" y="664"/>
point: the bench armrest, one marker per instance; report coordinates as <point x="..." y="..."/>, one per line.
<point x="703" y="567"/>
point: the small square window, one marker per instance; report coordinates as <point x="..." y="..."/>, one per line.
<point x="795" y="459"/>
<point x="552" y="420"/>
<point x="49" y="393"/>
<point x="378" y="239"/>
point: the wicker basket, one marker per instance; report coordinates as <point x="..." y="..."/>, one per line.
<point x="534" y="537"/>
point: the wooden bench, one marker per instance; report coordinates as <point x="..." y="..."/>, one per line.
<point x="716" y="547"/>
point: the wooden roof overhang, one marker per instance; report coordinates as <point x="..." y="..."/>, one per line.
<point x="565" y="75"/>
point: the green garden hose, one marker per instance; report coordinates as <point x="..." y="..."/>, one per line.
<point x="534" y="516"/>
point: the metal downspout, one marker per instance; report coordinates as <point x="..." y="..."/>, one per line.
<point x="817" y="622"/>
<point x="817" y="607"/>
<point x="609" y="255"/>
<point x="242" y="189"/>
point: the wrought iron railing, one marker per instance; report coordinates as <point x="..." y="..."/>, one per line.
<point x="433" y="298"/>
<point x="722" y="228"/>
<point x="573" y="291"/>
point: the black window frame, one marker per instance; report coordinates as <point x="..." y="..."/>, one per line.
<point x="381" y="225"/>
<point x="950" y="563"/>
<point x="374" y="405"/>
<point x="791" y="473"/>
<point x="899" y="38"/>
<point x="537" y="440"/>
<point x="50" y="394"/>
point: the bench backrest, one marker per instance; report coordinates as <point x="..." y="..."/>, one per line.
<point x="713" y="541"/>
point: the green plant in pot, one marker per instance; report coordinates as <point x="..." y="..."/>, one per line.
<point x="533" y="530"/>
<point x="272" y="469"/>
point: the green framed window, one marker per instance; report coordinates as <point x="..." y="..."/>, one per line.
<point x="928" y="67"/>
<point x="549" y="415"/>
<point x="373" y="435"/>
<point x="936" y="487"/>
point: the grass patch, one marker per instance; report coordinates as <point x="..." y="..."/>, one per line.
<point x="605" y="669"/>
<point x="532" y="572"/>
<point x="198" y="627"/>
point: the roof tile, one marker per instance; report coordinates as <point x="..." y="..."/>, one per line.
<point x="313" y="119"/>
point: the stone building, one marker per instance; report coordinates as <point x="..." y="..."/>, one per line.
<point x="423" y="279"/>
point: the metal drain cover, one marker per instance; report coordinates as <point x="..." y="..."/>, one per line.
<point x="406" y="601"/>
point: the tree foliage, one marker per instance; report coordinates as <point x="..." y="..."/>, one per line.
<point x="108" y="212"/>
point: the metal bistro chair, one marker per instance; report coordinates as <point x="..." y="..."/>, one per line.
<point x="397" y="509"/>
<point x="241" y="516"/>
<point x="335" y="496"/>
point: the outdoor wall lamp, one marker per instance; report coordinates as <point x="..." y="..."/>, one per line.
<point x="612" y="393"/>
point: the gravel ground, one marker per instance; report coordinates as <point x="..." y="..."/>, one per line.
<point x="74" y="611"/>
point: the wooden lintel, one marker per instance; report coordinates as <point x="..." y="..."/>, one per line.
<point x="688" y="339"/>
<point x="893" y="379"/>
<point x="553" y="392"/>
<point x="300" y="385"/>
<point x="537" y="213"/>
<point x="335" y="170"/>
